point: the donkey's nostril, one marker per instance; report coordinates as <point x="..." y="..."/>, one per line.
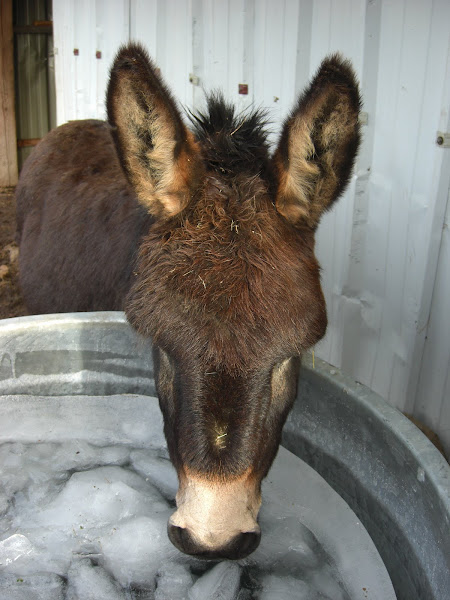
<point x="246" y="543"/>
<point x="182" y="539"/>
<point x="240" y="546"/>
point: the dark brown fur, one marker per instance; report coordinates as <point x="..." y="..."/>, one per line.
<point x="78" y="222"/>
<point x="211" y="243"/>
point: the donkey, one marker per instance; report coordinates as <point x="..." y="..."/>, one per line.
<point x="207" y="242"/>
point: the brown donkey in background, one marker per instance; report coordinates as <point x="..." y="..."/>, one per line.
<point x="207" y="242"/>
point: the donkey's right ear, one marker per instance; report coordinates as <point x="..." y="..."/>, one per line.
<point x="158" y="153"/>
<point x="318" y="144"/>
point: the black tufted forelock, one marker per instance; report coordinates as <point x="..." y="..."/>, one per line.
<point x="233" y="143"/>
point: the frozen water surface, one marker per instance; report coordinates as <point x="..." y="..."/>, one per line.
<point x="88" y="582"/>
<point x="33" y="587"/>
<point x="221" y="583"/>
<point x="86" y="489"/>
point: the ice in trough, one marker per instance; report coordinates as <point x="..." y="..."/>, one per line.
<point x="86" y="489"/>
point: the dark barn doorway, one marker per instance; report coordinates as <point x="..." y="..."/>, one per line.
<point x="35" y="97"/>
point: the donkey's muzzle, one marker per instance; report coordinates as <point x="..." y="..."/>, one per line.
<point x="240" y="546"/>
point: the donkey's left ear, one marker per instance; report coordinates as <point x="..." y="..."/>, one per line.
<point x="158" y="153"/>
<point x="318" y="144"/>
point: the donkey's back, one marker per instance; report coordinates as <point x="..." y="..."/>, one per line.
<point x="78" y="222"/>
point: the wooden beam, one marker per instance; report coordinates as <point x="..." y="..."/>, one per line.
<point x="8" y="147"/>
<point x="28" y="143"/>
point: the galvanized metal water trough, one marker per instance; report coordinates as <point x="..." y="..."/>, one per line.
<point x="388" y="472"/>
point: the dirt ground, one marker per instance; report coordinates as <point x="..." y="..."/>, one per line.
<point x="11" y="302"/>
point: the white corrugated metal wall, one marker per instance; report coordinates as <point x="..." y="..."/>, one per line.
<point x="385" y="248"/>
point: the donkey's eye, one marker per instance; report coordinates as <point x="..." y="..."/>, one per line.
<point x="284" y="379"/>
<point x="165" y="378"/>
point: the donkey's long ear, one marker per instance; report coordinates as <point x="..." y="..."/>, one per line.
<point x="158" y="153"/>
<point x="318" y="144"/>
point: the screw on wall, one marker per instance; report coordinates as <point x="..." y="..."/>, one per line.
<point x="76" y="52"/>
<point x="98" y="54"/>
<point x="443" y="139"/>
<point x="243" y="89"/>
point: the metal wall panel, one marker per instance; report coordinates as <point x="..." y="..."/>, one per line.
<point x="433" y="390"/>
<point x="385" y="259"/>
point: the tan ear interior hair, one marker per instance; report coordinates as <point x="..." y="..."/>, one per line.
<point x="298" y="181"/>
<point x="156" y="149"/>
<point x="318" y="145"/>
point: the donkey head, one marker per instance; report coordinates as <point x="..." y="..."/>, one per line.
<point x="227" y="284"/>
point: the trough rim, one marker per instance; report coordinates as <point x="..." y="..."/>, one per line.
<point x="426" y="454"/>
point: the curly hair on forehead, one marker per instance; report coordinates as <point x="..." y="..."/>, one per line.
<point x="221" y="275"/>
